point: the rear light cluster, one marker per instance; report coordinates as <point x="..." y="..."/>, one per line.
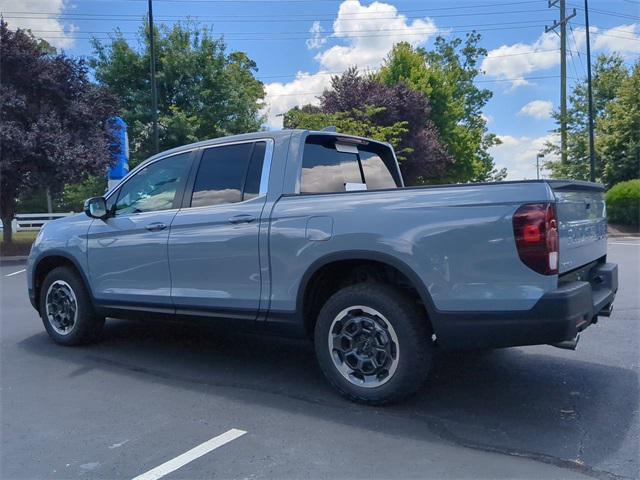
<point x="536" y="232"/>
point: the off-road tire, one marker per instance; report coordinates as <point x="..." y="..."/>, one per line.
<point x="411" y="327"/>
<point x="87" y="325"/>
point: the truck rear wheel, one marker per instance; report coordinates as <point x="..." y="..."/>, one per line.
<point x="373" y="343"/>
<point x="66" y="308"/>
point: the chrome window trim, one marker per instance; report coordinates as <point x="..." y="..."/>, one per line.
<point x="266" y="167"/>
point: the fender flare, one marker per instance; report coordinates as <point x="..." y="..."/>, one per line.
<point x="54" y="252"/>
<point x="380" y="257"/>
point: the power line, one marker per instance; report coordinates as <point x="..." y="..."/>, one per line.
<point x="608" y="12"/>
<point x="264" y="77"/>
<point x="575" y="44"/>
<point x="311" y="15"/>
<point x="306" y="32"/>
<point x="543" y="77"/>
<point x="272" y="38"/>
<point x="328" y="17"/>
<point x="261" y="19"/>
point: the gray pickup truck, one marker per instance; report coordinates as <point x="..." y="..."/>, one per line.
<point x="314" y="233"/>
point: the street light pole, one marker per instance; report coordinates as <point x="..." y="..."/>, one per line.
<point x="538" y="157"/>
<point x="592" y="153"/>
<point x="154" y="91"/>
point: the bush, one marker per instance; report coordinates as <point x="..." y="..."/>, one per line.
<point x="623" y="203"/>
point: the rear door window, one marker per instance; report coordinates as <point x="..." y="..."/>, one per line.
<point x="228" y="174"/>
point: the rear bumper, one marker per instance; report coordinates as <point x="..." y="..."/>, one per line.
<point x="559" y="315"/>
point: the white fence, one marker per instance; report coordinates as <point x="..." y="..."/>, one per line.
<point x="32" y="222"/>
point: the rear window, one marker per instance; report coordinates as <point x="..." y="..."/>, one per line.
<point x="327" y="170"/>
<point x="377" y="173"/>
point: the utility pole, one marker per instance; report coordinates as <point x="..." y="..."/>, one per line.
<point x="538" y="157"/>
<point x="592" y="151"/>
<point x="563" y="70"/>
<point x="154" y="90"/>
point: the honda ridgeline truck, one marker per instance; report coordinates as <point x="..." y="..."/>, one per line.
<point x="315" y="233"/>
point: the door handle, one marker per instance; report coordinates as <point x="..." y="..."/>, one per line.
<point x="156" y="226"/>
<point x="242" y="219"/>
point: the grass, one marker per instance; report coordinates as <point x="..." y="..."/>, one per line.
<point x="21" y="244"/>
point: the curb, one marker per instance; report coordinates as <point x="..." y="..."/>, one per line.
<point x="13" y="260"/>
<point x="624" y="235"/>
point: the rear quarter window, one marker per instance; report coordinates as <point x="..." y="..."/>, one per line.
<point x="327" y="170"/>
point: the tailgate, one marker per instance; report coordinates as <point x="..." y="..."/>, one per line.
<point x="582" y="223"/>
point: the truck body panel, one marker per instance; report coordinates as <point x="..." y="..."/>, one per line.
<point x="455" y="243"/>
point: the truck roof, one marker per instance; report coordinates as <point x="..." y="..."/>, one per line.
<point x="273" y="134"/>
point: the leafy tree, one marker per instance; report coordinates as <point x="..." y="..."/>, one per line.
<point x="445" y="76"/>
<point x="74" y="194"/>
<point x="203" y="92"/>
<point x="52" y="121"/>
<point x="623" y="203"/>
<point x="360" y="105"/>
<point x="609" y="73"/>
<point x="619" y="132"/>
<point x="355" y="122"/>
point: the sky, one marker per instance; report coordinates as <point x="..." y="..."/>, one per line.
<point x="299" y="44"/>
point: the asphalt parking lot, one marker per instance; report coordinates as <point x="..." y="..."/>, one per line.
<point x="149" y="393"/>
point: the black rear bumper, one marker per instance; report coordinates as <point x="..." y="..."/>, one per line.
<point x="559" y="315"/>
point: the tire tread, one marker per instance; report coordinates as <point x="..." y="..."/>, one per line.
<point x="419" y="332"/>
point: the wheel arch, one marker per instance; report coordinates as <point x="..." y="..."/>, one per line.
<point x="360" y="258"/>
<point x="49" y="261"/>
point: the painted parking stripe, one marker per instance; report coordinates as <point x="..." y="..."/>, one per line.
<point x="623" y="243"/>
<point x="16" y="273"/>
<point x="196" y="452"/>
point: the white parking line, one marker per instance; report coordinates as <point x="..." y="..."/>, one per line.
<point x="16" y="273"/>
<point x="191" y="455"/>
<point x="623" y="243"/>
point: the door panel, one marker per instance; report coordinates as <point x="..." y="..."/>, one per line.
<point x="214" y="260"/>
<point x="127" y="253"/>
<point x="128" y="258"/>
<point x="213" y="244"/>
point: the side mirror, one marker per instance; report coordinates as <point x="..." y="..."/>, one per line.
<point x="96" y="207"/>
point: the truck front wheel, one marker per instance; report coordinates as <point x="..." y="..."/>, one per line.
<point x="66" y="309"/>
<point x="373" y="343"/>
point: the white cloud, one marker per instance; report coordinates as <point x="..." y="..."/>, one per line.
<point x="487" y="118"/>
<point x="624" y="39"/>
<point x="45" y="26"/>
<point x="518" y="155"/>
<point x="521" y="59"/>
<point x="316" y="40"/>
<point x="371" y="31"/>
<point x="368" y="32"/>
<point x="281" y="97"/>
<point x="538" y="109"/>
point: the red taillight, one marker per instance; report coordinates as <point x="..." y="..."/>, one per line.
<point x="536" y="232"/>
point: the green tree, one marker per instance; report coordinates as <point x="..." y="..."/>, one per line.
<point x="619" y="136"/>
<point x="359" y="105"/>
<point x="609" y="74"/>
<point x="52" y="121"/>
<point x="203" y="91"/>
<point x="445" y="75"/>
<point x="355" y="122"/>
